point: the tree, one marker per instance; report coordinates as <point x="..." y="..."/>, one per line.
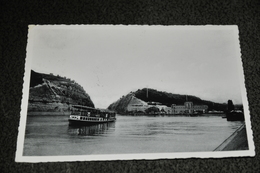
<point x="152" y="110"/>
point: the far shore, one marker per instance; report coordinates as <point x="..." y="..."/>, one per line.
<point x="38" y="113"/>
<point x="176" y="115"/>
<point x="48" y="113"/>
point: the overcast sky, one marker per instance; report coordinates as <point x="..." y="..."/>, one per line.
<point x="110" y="61"/>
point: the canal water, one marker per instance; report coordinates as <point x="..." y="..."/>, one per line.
<point x="52" y="135"/>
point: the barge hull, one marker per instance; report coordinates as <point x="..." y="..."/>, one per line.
<point x="77" y="122"/>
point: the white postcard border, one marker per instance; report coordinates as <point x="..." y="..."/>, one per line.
<point x="109" y="157"/>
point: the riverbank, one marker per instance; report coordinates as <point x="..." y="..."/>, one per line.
<point x="237" y="141"/>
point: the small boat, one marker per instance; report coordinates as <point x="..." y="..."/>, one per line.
<point x="84" y="115"/>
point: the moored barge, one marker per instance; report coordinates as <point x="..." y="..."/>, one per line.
<point x="235" y="115"/>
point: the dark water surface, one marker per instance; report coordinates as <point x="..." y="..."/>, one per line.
<point x="52" y="135"/>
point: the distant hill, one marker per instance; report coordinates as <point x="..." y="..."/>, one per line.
<point x="50" y="93"/>
<point x="152" y="95"/>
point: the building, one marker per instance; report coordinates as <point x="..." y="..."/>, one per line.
<point x="137" y="105"/>
<point x="188" y="107"/>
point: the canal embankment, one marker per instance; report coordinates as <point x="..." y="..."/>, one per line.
<point x="236" y="141"/>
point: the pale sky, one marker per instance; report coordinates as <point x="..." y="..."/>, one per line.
<point x="110" y="61"/>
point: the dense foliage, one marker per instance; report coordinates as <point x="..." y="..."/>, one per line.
<point x="152" y="95"/>
<point x="152" y="110"/>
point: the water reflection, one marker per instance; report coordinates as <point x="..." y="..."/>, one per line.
<point x="90" y="130"/>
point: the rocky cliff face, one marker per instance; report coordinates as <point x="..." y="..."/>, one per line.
<point x="121" y="104"/>
<point x="49" y="93"/>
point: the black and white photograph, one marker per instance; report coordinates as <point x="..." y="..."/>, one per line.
<point x="124" y="92"/>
